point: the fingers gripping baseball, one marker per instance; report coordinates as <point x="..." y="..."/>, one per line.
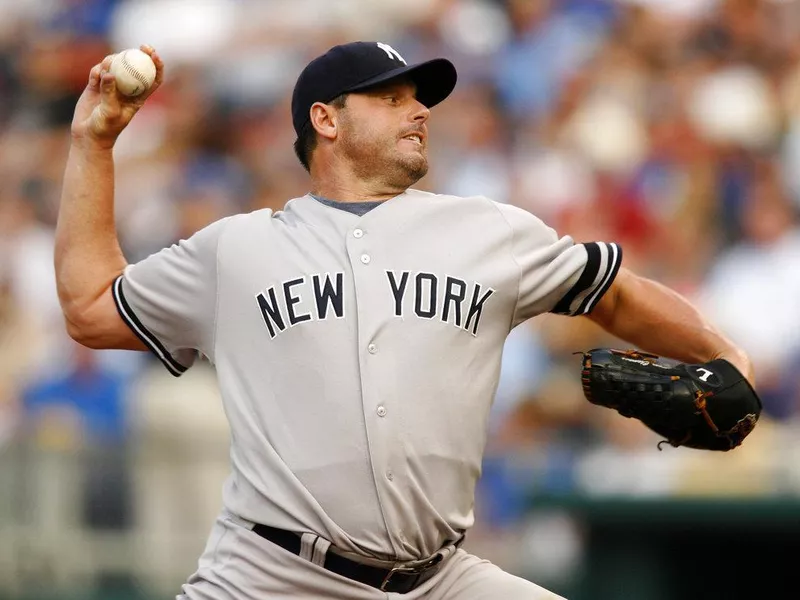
<point x="102" y="112"/>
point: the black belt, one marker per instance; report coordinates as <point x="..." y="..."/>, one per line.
<point x="398" y="580"/>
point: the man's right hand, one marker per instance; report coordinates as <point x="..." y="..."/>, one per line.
<point x="102" y="112"/>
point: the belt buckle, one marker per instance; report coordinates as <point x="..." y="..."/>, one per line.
<point x="414" y="568"/>
<point x="399" y="569"/>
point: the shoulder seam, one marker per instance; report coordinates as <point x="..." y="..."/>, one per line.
<point x="513" y="257"/>
<point x="213" y="346"/>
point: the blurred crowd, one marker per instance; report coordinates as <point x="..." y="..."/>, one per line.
<point x="669" y="126"/>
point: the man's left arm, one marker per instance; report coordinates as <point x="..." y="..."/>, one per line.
<point x="659" y="320"/>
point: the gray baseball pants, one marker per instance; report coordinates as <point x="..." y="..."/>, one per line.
<point x="237" y="564"/>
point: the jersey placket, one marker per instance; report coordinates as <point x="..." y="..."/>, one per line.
<point x="367" y="280"/>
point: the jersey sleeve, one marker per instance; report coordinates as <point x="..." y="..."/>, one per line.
<point x="169" y="299"/>
<point x="556" y="274"/>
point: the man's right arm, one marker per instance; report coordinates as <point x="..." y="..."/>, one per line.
<point x="88" y="257"/>
<point x="87" y="254"/>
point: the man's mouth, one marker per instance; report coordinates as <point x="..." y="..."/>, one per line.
<point x="414" y="137"/>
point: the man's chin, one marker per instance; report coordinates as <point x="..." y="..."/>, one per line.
<point x="415" y="174"/>
<point x="415" y="165"/>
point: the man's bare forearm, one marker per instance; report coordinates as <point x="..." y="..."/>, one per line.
<point x="87" y="256"/>
<point x="657" y="319"/>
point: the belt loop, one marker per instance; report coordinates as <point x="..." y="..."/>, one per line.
<point x="320" y="551"/>
<point x="307" y="545"/>
<point x="313" y="548"/>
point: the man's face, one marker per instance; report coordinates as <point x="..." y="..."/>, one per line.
<point x="383" y="135"/>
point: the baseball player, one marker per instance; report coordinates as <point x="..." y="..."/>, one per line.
<point x="356" y="335"/>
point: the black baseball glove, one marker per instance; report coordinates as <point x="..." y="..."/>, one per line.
<point x="709" y="406"/>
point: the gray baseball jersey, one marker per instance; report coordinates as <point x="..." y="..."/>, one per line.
<point x="358" y="355"/>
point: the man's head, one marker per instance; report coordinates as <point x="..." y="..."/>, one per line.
<point x="366" y="105"/>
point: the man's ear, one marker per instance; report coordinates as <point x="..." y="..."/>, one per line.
<point x="323" y="120"/>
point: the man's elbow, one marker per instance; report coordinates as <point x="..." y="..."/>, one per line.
<point x="80" y="327"/>
<point x="92" y="320"/>
<point x="82" y="337"/>
<point x="95" y="323"/>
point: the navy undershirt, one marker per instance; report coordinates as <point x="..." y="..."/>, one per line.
<point x="357" y="208"/>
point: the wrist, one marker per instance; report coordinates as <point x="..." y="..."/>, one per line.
<point x="739" y="359"/>
<point x="89" y="143"/>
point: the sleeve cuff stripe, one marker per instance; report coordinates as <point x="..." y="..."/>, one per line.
<point x="138" y="328"/>
<point x="614" y="262"/>
<point x="590" y="272"/>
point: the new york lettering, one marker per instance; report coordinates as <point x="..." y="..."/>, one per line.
<point x="300" y="300"/>
<point x="451" y="300"/>
<point x="424" y="295"/>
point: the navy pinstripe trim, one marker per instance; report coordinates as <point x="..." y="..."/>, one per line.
<point x="614" y="261"/>
<point x="602" y="265"/>
<point x="584" y="281"/>
<point x="152" y="342"/>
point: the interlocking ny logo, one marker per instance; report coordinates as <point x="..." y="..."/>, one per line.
<point x="391" y="52"/>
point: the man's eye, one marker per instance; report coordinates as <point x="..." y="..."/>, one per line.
<point x="391" y="99"/>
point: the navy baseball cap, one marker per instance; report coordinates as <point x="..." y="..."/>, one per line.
<point x="360" y="65"/>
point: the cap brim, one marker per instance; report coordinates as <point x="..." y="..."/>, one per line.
<point x="435" y="80"/>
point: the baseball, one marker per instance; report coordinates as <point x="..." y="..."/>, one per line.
<point x="134" y="71"/>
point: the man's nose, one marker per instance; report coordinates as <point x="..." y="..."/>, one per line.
<point x="421" y="113"/>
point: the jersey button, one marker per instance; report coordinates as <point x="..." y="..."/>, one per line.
<point x="365" y="259"/>
<point x="372" y="349"/>
<point x="358" y="233"/>
<point x="381" y="411"/>
<point x="389" y="475"/>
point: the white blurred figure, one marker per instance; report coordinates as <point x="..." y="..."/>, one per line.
<point x="26" y="251"/>
<point x="609" y="133"/>
<point x="20" y="343"/>
<point x="181" y="436"/>
<point x="182" y="30"/>
<point x="752" y="291"/>
<point x="630" y="463"/>
<point x="736" y="106"/>
<point x="677" y="9"/>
